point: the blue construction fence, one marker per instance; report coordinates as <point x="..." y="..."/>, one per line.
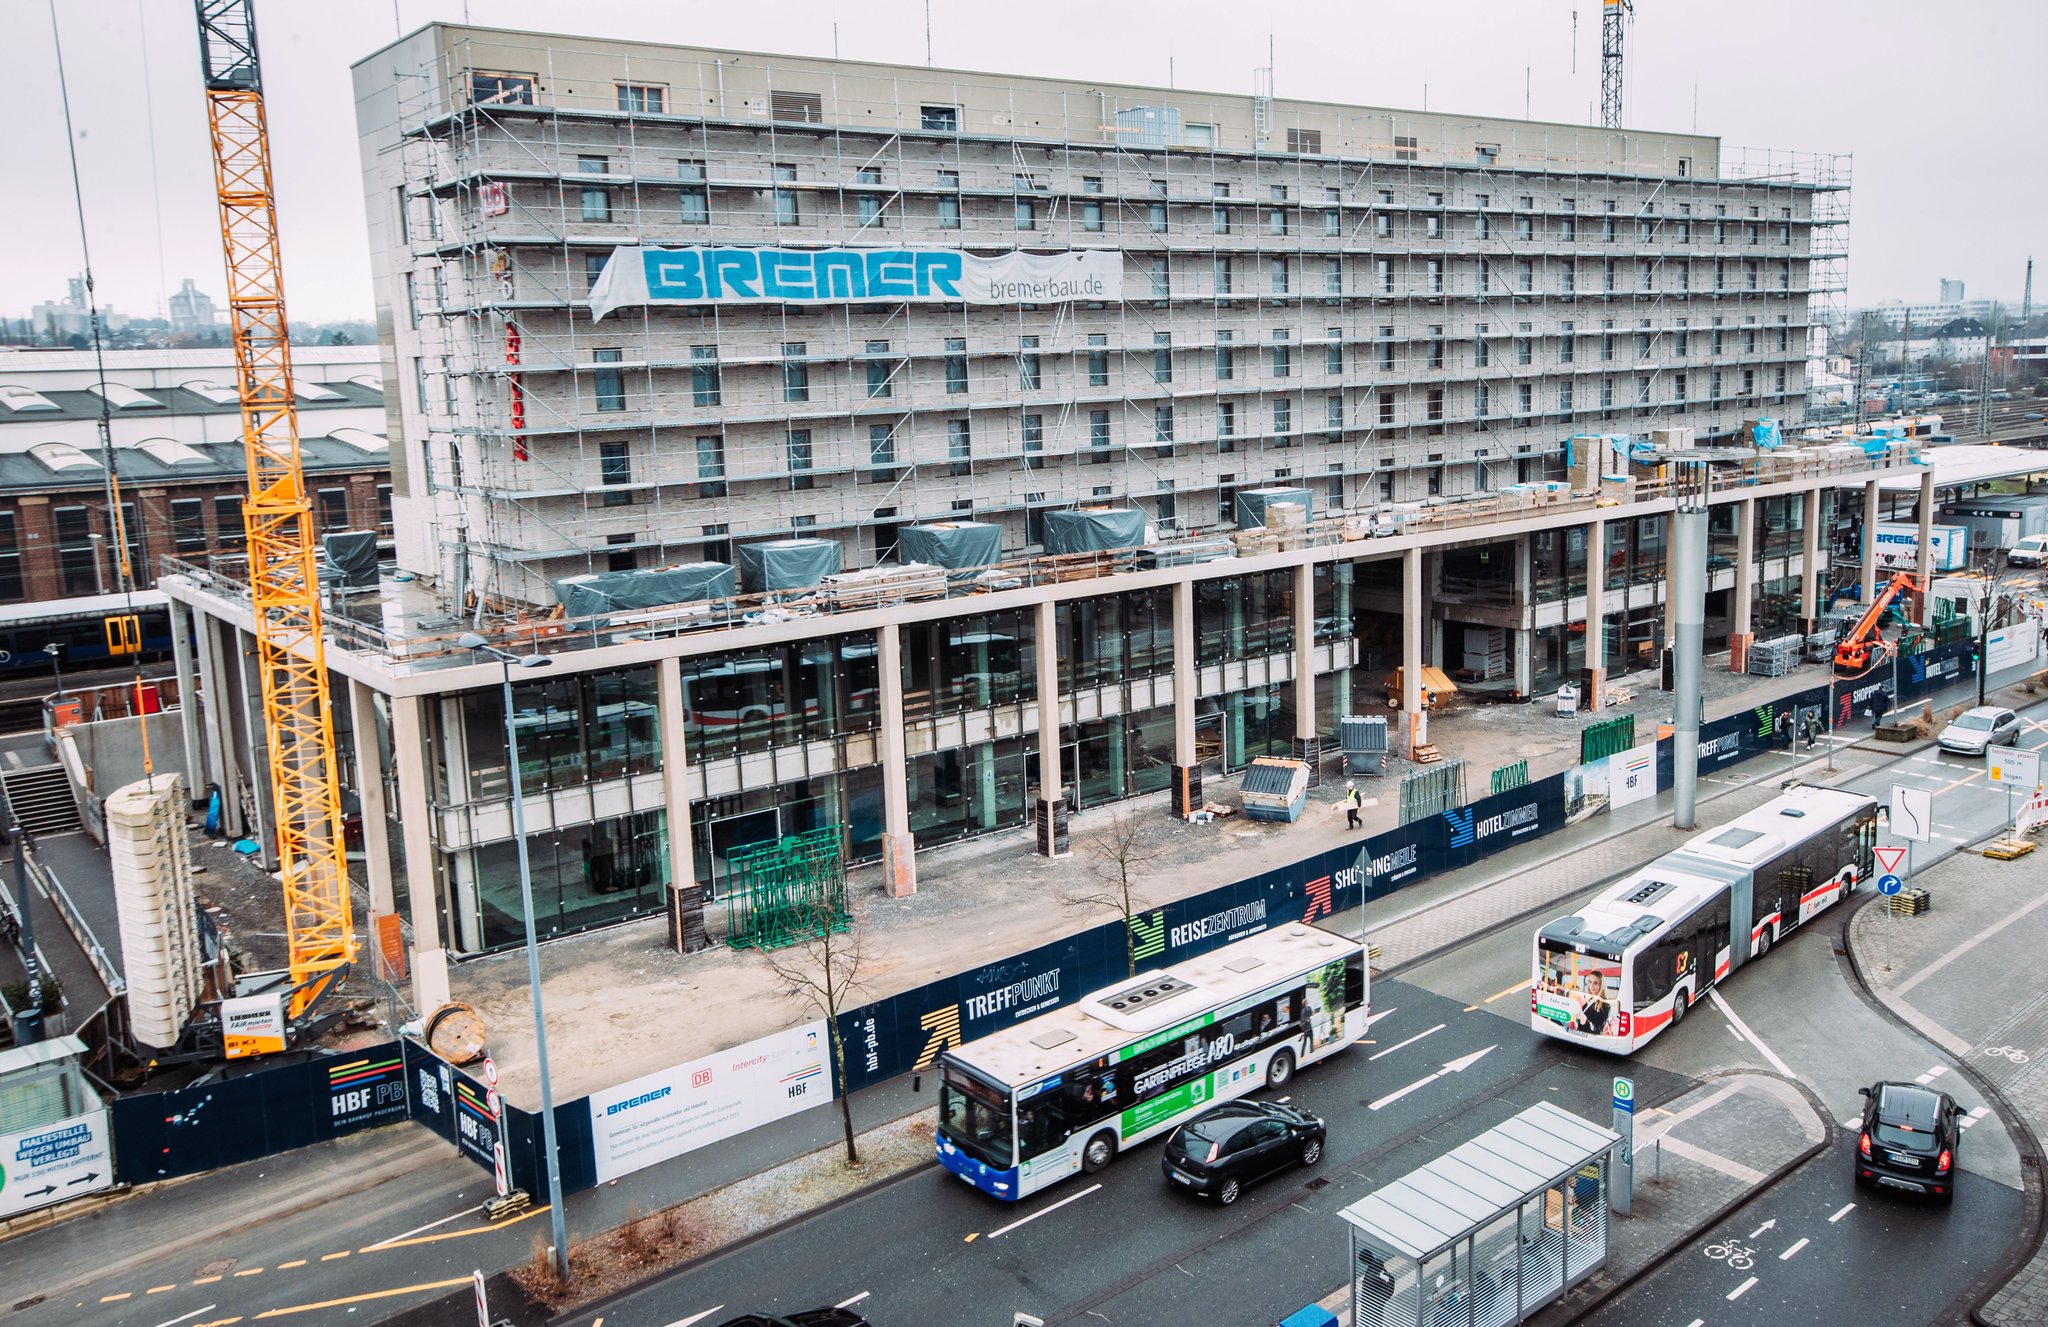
<point x="163" y="1135"/>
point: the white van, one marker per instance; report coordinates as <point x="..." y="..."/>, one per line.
<point x="2031" y="551"/>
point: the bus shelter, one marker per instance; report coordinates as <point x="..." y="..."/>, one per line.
<point x="1485" y="1235"/>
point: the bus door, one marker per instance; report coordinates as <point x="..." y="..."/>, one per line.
<point x="1741" y="917"/>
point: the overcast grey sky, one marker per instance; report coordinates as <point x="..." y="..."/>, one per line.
<point x="1942" y="105"/>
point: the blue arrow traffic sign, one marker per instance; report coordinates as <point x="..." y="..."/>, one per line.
<point x="1889" y="884"/>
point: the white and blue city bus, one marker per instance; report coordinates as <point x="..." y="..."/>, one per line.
<point x="1067" y="1090"/>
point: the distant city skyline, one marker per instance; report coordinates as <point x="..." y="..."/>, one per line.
<point x="1941" y="188"/>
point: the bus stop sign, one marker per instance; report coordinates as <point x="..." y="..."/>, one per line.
<point x="1889" y="884"/>
<point x="1625" y="1096"/>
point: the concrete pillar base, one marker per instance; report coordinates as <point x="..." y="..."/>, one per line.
<point x="1310" y="749"/>
<point x="1187" y="789"/>
<point x="1418" y="732"/>
<point x="1738" y="652"/>
<point x="1051" y="828"/>
<point x="686" y="934"/>
<point x="429" y="979"/>
<point x="1593" y="689"/>
<point x="899" y="864"/>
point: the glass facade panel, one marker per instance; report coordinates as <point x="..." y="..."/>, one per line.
<point x="583" y="876"/>
<point x="1242" y="617"/>
<point x="751" y="700"/>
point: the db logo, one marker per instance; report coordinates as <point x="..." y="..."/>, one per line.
<point x="702" y="1078"/>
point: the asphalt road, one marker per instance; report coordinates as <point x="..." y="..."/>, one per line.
<point x="1119" y="1246"/>
<point x="1816" y="1249"/>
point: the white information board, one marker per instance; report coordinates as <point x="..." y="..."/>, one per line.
<point x="63" y="1160"/>
<point x="2013" y="767"/>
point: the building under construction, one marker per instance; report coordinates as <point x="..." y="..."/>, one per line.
<point x="654" y="311"/>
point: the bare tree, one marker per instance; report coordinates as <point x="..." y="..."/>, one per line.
<point x="822" y="969"/>
<point x="1117" y="856"/>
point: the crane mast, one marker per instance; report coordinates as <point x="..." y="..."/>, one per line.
<point x="283" y="580"/>
<point x="1612" y="15"/>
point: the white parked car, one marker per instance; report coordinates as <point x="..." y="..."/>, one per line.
<point x="2031" y="551"/>
<point x="1978" y="730"/>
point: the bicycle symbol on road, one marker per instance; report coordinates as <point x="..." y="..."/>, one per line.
<point x="2012" y="1053"/>
<point x="1736" y="1255"/>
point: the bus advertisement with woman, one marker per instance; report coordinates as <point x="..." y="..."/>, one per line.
<point x="1067" y="1090"/>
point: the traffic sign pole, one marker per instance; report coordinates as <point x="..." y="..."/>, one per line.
<point x="1621" y="1187"/>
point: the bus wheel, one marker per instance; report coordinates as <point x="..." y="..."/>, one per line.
<point x="1100" y="1151"/>
<point x="1279" y="1069"/>
<point x="1763" y="944"/>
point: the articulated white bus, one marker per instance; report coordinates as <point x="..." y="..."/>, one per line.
<point x="1628" y="965"/>
<point x="1065" y="1091"/>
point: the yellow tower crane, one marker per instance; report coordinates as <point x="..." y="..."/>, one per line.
<point x="283" y="579"/>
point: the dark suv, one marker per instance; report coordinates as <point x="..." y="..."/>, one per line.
<point x="1225" y="1148"/>
<point x="1909" y="1139"/>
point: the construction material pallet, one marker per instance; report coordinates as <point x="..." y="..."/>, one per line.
<point x="1911" y="903"/>
<point x="1426" y="754"/>
<point x="2005" y="850"/>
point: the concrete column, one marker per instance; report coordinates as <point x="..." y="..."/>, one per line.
<point x="415" y="818"/>
<point x="1307" y="740"/>
<point x="1923" y="562"/>
<point x="1810" y="564"/>
<point x="1524" y="636"/>
<point x="1052" y="806"/>
<point x="188" y="702"/>
<point x="384" y="946"/>
<point x="686" y="898"/>
<point x="899" y="849"/>
<point x="1344" y="574"/>
<point x="1687" y="587"/>
<point x="1867" y="570"/>
<point x="1413" y="613"/>
<point x="1593" y="671"/>
<point x="257" y="748"/>
<point x="221" y="766"/>
<point x="1187" y="768"/>
<point x="1740" y="635"/>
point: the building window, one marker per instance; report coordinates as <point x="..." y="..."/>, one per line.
<point x="959" y="447"/>
<point x="188" y="535"/>
<point x="1333" y="222"/>
<point x="1434" y="406"/>
<point x="1482" y="400"/>
<point x="1567" y="344"/>
<point x="1219" y="219"/>
<point x="1568" y="229"/>
<point x="939" y="119"/>
<point x="501" y="89"/>
<point x="1162" y="423"/>
<point x="787" y="211"/>
<point x="1162" y="357"/>
<point x="799" y="445"/>
<point x="881" y="370"/>
<point x="1027" y="214"/>
<point x="1678" y="388"/>
<point x="1333" y="412"/>
<point x="1642" y="391"/>
<point x="1307" y="141"/>
<point x="1333" y="276"/>
<point x="796" y="374"/>
<point x="1156" y="218"/>
<point x="1034" y="441"/>
<point x="1223" y="284"/>
<point x="1526" y="277"/>
<point x="609" y="383"/>
<point x="1436" y="276"/>
<point x="615" y="467"/>
<point x="1714" y="385"/>
<point x="949" y="212"/>
<point x="696" y="208"/>
<point x="1283" y="354"/>
<point x="1028" y="376"/>
<point x="597" y="200"/>
<point x="1383" y="225"/>
<point x="1384" y="267"/>
<point x="1568" y="282"/>
<point x="641" y="99"/>
<point x="956" y="365"/>
<point x="1333" y="351"/>
<point x="868" y="211"/>
<point x="1098" y="360"/>
<point x="78" y="561"/>
<point x="1564" y="396"/>
<point x="1607" y="393"/>
<point x="384" y="508"/>
<point x="593" y="268"/>
<point x="1436" y="347"/>
<point x="1091" y="212"/>
<point x="1226" y="356"/>
<point x="711" y="466"/>
<point x="1525" y="349"/>
<point x="1386" y="405"/>
<point x="881" y="452"/>
<point x="1283" y="419"/>
<point x="1404" y="147"/>
<point x="1162" y="279"/>
<point x="1276" y="221"/>
<point x="705" y="388"/>
<point x="333" y="510"/>
<point x="1481" y="356"/>
<point x="1436" y="480"/>
<point x="228" y="529"/>
<point x="1226" y="421"/>
<point x="1098" y="429"/>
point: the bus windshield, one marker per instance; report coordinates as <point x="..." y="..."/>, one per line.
<point x="976" y="1118"/>
<point x="1578" y="991"/>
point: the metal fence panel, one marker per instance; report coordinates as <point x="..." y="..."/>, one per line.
<point x="1432" y="790"/>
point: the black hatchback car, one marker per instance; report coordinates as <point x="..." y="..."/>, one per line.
<point x="1220" y="1151"/>
<point x="1909" y="1139"/>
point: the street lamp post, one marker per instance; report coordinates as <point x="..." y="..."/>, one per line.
<point x="56" y="651"/>
<point x="505" y="658"/>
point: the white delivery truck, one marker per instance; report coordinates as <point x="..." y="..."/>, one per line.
<point x="1898" y="547"/>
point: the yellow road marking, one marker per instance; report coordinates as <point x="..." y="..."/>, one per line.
<point x="204" y="1280"/>
<point x="220" y="1322"/>
<point x="296" y="1262"/>
<point x="115" y="1299"/>
<point x="1518" y="986"/>
<point x="330" y="1257"/>
<point x="250" y="1271"/>
<point x="451" y="1234"/>
<point x="971" y="1238"/>
<point x="1967" y="778"/>
<point x="357" y="1299"/>
<point x="158" y="1290"/>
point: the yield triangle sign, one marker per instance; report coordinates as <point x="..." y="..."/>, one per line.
<point x="1889" y="859"/>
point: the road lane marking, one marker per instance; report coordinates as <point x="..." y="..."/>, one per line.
<point x="1965" y="947"/>
<point x="1711" y="1160"/>
<point x="367" y="1295"/>
<point x="204" y="1280"/>
<point x="116" y="1299"/>
<point x="250" y="1271"/>
<point x="1786" y="1256"/>
<point x="1457" y="1066"/>
<point x="1372" y="1020"/>
<point x="330" y="1257"/>
<point x="1518" y="986"/>
<point x="1853" y="1122"/>
<point x="842" y="1304"/>
<point x="1932" y="1074"/>
<point x="1742" y="1289"/>
<point x="1697" y="1322"/>
<point x="287" y="1266"/>
<point x="1841" y="1212"/>
<point x="421" y="1230"/>
<point x="1752" y="1037"/>
<point x="1974" y="1116"/>
<point x="1399" y="1044"/>
<point x="1027" y="1220"/>
<point x="158" y="1290"/>
<point x="400" y="1242"/>
<point x="172" y="1322"/>
<point x="695" y="1317"/>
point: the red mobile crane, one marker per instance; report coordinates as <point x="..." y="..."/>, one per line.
<point x="1853" y="656"/>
